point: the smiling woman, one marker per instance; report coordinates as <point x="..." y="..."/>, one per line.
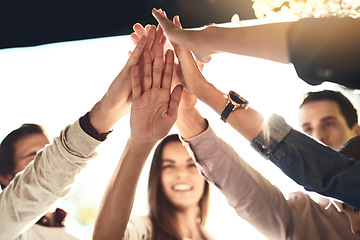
<point x="177" y="191"/>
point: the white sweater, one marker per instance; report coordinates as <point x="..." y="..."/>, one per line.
<point x="48" y="178"/>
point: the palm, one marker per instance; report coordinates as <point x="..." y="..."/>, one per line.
<point x="150" y="119"/>
<point x="154" y="109"/>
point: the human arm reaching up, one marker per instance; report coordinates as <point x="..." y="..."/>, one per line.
<point x="277" y="141"/>
<point x="153" y="113"/>
<point x="321" y="49"/>
<point x="38" y="185"/>
<point x="250" y="41"/>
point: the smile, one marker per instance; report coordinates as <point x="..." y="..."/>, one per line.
<point x="182" y="187"/>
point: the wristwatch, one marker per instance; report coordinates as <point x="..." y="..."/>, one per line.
<point x="234" y="101"/>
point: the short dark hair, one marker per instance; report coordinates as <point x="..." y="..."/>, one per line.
<point x="347" y="109"/>
<point x="7" y="165"/>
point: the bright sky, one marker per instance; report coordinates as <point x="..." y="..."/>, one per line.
<point x="55" y="84"/>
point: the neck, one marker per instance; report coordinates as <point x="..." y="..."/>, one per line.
<point x="189" y="228"/>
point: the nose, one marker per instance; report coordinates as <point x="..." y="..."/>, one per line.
<point x="320" y="135"/>
<point x="355" y="223"/>
<point x="181" y="173"/>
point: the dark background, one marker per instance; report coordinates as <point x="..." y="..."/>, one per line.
<point x="34" y="22"/>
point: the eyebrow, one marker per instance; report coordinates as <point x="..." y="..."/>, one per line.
<point x="172" y="161"/>
<point x="321" y="120"/>
<point x="168" y="160"/>
<point x="31" y="154"/>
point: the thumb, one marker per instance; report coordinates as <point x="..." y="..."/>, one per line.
<point x="175" y="101"/>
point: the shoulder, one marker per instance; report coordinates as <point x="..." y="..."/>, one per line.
<point x="139" y="227"/>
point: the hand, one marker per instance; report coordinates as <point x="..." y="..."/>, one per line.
<point x="154" y="110"/>
<point x="189" y="39"/>
<point x="140" y="31"/>
<point x="117" y="100"/>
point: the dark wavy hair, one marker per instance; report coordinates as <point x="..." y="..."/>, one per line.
<point x="162" y="211"/>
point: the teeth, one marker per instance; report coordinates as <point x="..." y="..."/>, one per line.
<point x="182" y="187"/>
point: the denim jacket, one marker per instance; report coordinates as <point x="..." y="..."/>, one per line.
<point x="309" y="163"/>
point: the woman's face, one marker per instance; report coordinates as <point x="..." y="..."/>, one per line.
<point x="182" y="183"/>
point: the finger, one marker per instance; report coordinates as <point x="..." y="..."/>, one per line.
<point x="163" y="39"/>
<point x="159" y="34"/>
<point x="147" y="82"/>
<point x="175" y="101"/>
<point x="168" y="70"/>
<point x="162" y="20"/>
<point x="177" y="21"/>
<point x="150" y="37"/>
<point x="139" y="29"/>
<point x="158" y="65"/>
<point x="134" y="38"/>
<point x="135" y="82"/>
<point x="199" y="64"/>
<point x="147" y="27"/>
<point x="136" y="54"/>
<point x="129" y="53"/>
<point x="185" y="58"/>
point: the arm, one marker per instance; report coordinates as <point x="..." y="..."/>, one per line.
<point x="153" y="113"/>
<point x="321" y="49"/>
<point x="249" y="123"/>
<point x="253" y="197"/>
<point x="268" y="41"/>
<point x="315" y="166"/>
<point x="39" y="185"/>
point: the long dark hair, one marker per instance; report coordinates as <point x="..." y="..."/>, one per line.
<point x="162" y="212"/>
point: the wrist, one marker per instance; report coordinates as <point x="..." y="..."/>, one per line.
<point x="190" y="123"/>
<point x="103" y="115"/>
<point x="141" y="146"/>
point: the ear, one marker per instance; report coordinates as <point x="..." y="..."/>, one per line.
<point x="356" y="129"/>
<point x="5" y="180"/>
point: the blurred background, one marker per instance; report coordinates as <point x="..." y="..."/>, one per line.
<point x="57" y="59"/>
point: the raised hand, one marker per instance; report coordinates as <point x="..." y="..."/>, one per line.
<point x="117" y="100"/>
<point x="154" y="107"/>
<point x="183" y="37"/>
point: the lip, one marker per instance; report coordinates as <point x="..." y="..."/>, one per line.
<point x="182" y="187"/>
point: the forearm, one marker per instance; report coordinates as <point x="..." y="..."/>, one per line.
<point x="253" y="197"/>
<point x="309" y="163"/>
<point x="248" y="122"/>
<point x="190" y="123"/>
<point x="39" y="186"/>
<point x="116" y="205"/>
<point x="267" y="41"/>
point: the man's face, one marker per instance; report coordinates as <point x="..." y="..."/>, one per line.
<point x="323" y="120"/>
<point x="353" y="215"/>
<point x="25" y="150"/>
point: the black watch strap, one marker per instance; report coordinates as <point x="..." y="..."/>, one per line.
<point x="229" y="107"/>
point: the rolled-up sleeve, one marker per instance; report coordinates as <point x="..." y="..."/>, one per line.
<point x="308" y="162"/>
